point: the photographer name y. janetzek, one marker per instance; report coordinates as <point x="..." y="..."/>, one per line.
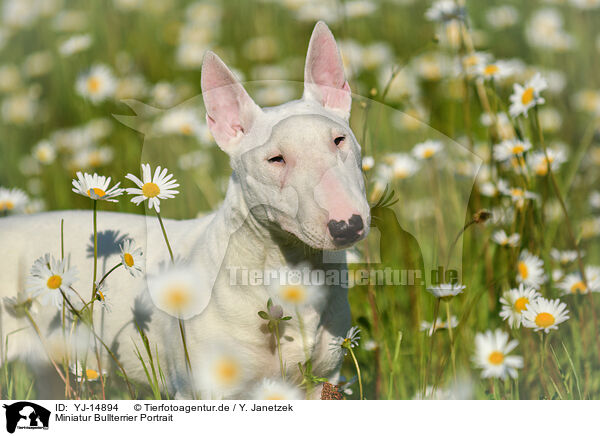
<point x="272" y="408"/>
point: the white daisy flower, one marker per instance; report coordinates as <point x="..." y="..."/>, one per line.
<point x="20" y="108"/>
<point x="132" y="258"/>
<point x="96" y="187"/>
<point x="370" y="345"/>
<point x="182" y="121"/>
<point x="488" y="189"/>
<point x="401" y="166"/>
<point x="293" y="289"/>
<point x="101" y="293"/>
<point x="494" y="70"/>
<point x="473" y="62"/>
<point x="269" y="389"/>
<point x="97" y="84"/>
<point x="439" y="325"/>
<point x="153" y="188"/>
<point x="530" y="270"/>
<point x="528" y="96"/>
<point x="545" y="30"/>
<point x="592" y="274"/>
<point x="179" y="291"/>
<point x="368" y="162"/>
<point x="12" y="200"/>
<point x="90" y="374"/>
<point x="502" y="238"/>
<point x="514" y="302"/>
<point x="544" y="314"/>
<point x="538" y="161"/>
<point x="446" y="290"/>
<point x="75" y="44"/>
<point x="350" y="340"/>
<point x="92" y="157"/>
<point x="443" y="10"/>
<point x="510" y="148"/>
<point x="48" y="277"/>
<point x="223" y="372"/>
<point x="44" y="152"/>
<point x="563" y="257"/>
<point x="491" y="355"/>
<point x="427" y="149"/>
<point x="518" y="196"/>
<point x="573" y="284"/>
<point x="503" y="16"/>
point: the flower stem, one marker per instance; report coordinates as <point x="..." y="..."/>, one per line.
<point x="95" y="250"/>
<point x="542" y="360"/>
<point x="436" y="310"/>
<point x="451" y="335"/>
<point x="185" y="350"/>
<point x="108" y="273"/>
<point x="278" y="342"/>
<point x="162" y="226"/>
<point x="360" y="387"/>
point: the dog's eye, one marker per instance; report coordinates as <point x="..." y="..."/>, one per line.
<point x="277" y="159"/>
<point x="337" y="141"/>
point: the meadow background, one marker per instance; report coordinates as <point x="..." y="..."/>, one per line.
<point x="415" y="78"/>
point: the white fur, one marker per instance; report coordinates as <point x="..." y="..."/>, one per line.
<point x="269" y="219"/>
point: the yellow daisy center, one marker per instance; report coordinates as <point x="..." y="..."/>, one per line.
<point x="42" y="154"/>
<point x="177" y="298"/>
<point x="542" y="169"/>
<point x="471" y="60"/>
<point x="496" y="357"/>
<point x="516" y="192"/>
<point x="94" y="159"/>
<point x="518" y="149"/>
<point x="293" y="294"/>
<point x="544" y="319"/>
<point x="91" y="374"/>
<point x="523" y="270"/>
<point x="401" y="173"/>
<point x="275" y="397"/>
<point x="186" y="129"/>
<point x="54" y="282"/>
<point x="527" y="96"/>
<point x="428" y="152"/>
<point x="6" y="205"/>
<point x="93" y="84"/>
<point x="491" y="69"/>
<point x="128" y="258"/>
<point x="99" y="192"/>
<point x="578" y="287"/>
<point x="521" y="304"/>
<point x="227" y="371"/>
<point x="150" y="190"/>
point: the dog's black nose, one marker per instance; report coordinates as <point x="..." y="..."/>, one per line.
<point x="345" y="233"/>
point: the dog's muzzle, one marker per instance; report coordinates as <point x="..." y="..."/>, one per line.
<point x="346" y="232"/>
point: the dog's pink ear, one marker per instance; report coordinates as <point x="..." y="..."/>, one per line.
<point x="230" y="112"/>
<point x="324" y="79"/>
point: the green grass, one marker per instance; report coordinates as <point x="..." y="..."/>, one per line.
<point x="388" y="315"/>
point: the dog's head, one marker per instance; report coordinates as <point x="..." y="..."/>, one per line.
<point x="299" y="164"/>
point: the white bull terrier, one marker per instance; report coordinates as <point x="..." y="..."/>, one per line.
<point x="296" y="191"/>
